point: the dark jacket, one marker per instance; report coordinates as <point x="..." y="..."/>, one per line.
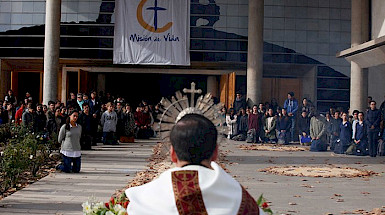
<point x="4" y="116"/>
<point x="346" y="133"/>
<point x="373" y="118"/>
<point x="361" y="132"/>
<point x="238" y="104"/>
<point x="10" y="99"/>
<point x="53" y="126"/>
<point x="304" y="125"/>
<point x="86" y="122"/>
<point x="242" y="123"/>
<point x="73" y="103"/>
<point x="27" y="119"/>
<point x="283" y="123"/>
<point x="94" y="108"/>
<point x="40" y="121"/>
<point x="335" y="126"/>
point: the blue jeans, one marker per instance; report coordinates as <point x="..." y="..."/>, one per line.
<point x="67" y="166"/>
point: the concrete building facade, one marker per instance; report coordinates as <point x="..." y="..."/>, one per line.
<point x="300" y="42"/>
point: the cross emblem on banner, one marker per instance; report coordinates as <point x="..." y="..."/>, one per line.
<point x="192" y="91"/>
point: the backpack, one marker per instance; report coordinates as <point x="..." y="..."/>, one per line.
<point x="381" y="148"/>
<point x="251" y="136"/>
<point x="305" y="140"/>
<point x="239" y="137"/>
<point x="281" y="138"/>
<point x="339" y="147"/>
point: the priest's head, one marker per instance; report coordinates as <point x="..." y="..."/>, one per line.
<point x="193" y="141"/>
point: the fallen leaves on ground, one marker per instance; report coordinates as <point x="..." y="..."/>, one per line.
<point x="273" y="147"/>
<point x="318" y="171"/>
<point x="375" y="211"/>
<point x="159" y="162"/>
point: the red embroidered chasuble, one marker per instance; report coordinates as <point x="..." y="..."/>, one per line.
<point x="248" y="205"/>
<point x="189" y="199"/>
<point x="188" y="195"/>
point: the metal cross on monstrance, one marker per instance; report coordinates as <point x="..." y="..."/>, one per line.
<point x="192" y="91"/>
<point x="173" y="110"/>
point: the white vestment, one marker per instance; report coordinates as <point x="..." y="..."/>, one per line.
<point x="220" y="192"/>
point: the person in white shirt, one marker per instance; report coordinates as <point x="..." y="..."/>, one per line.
<point x="197" y="185"/>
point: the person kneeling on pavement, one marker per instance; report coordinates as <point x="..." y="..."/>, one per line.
<point x="345" y="137"/>
<point x="69" y="137"/>
<point x="318" y="134"/>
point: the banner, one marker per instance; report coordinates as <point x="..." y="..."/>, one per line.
<point x="152" y="32"/>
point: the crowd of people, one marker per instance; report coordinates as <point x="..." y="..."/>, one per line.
<point x="102" y="117"/>
<point x="356" y="134"/>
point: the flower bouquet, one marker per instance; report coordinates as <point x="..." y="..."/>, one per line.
<point x="116" y="206"/>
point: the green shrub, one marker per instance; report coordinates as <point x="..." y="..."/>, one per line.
<point x="22" y="151"/>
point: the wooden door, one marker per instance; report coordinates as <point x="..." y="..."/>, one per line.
<point x="278" y="88"/>
<point x="83" y="82"/>
<point x="227" y="89"/>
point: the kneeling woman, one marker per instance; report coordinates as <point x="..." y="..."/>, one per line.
<point x="360" y="136"/>
<point x="69" y="137"/>
<point x="345" y="135"/>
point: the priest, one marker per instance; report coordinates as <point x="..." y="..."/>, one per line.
<point x="197" y="185"/>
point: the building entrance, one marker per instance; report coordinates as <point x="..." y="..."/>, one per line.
<point x="29" y="82"/>
<point x="151" y="87"/>
<point x="278" y="88"/>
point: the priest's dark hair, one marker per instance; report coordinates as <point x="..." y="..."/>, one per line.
<point x="194" y="138"/>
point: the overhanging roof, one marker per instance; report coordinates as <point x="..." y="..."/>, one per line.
<point x="369" y="54"/>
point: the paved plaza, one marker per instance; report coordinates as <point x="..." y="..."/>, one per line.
<point x="109" y="168"/>
<point x="306" y="195"/>
<point x="104" y="170"/>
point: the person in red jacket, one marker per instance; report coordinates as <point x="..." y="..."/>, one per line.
<point x="19" y="114"/>
<point x="143" y="123"/>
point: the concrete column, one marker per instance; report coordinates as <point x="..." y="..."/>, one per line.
<point x="358" y="88"/>
<point x="309" y="85"/>
<point x="51" y="50"/>
<point x="255" y="52"/>
<point x="212" y="86"/>
<point x="359" y="35"/>
<point x="101" y="83"/>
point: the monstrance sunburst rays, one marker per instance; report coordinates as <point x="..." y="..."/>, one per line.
<point x="173" y="110"/>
